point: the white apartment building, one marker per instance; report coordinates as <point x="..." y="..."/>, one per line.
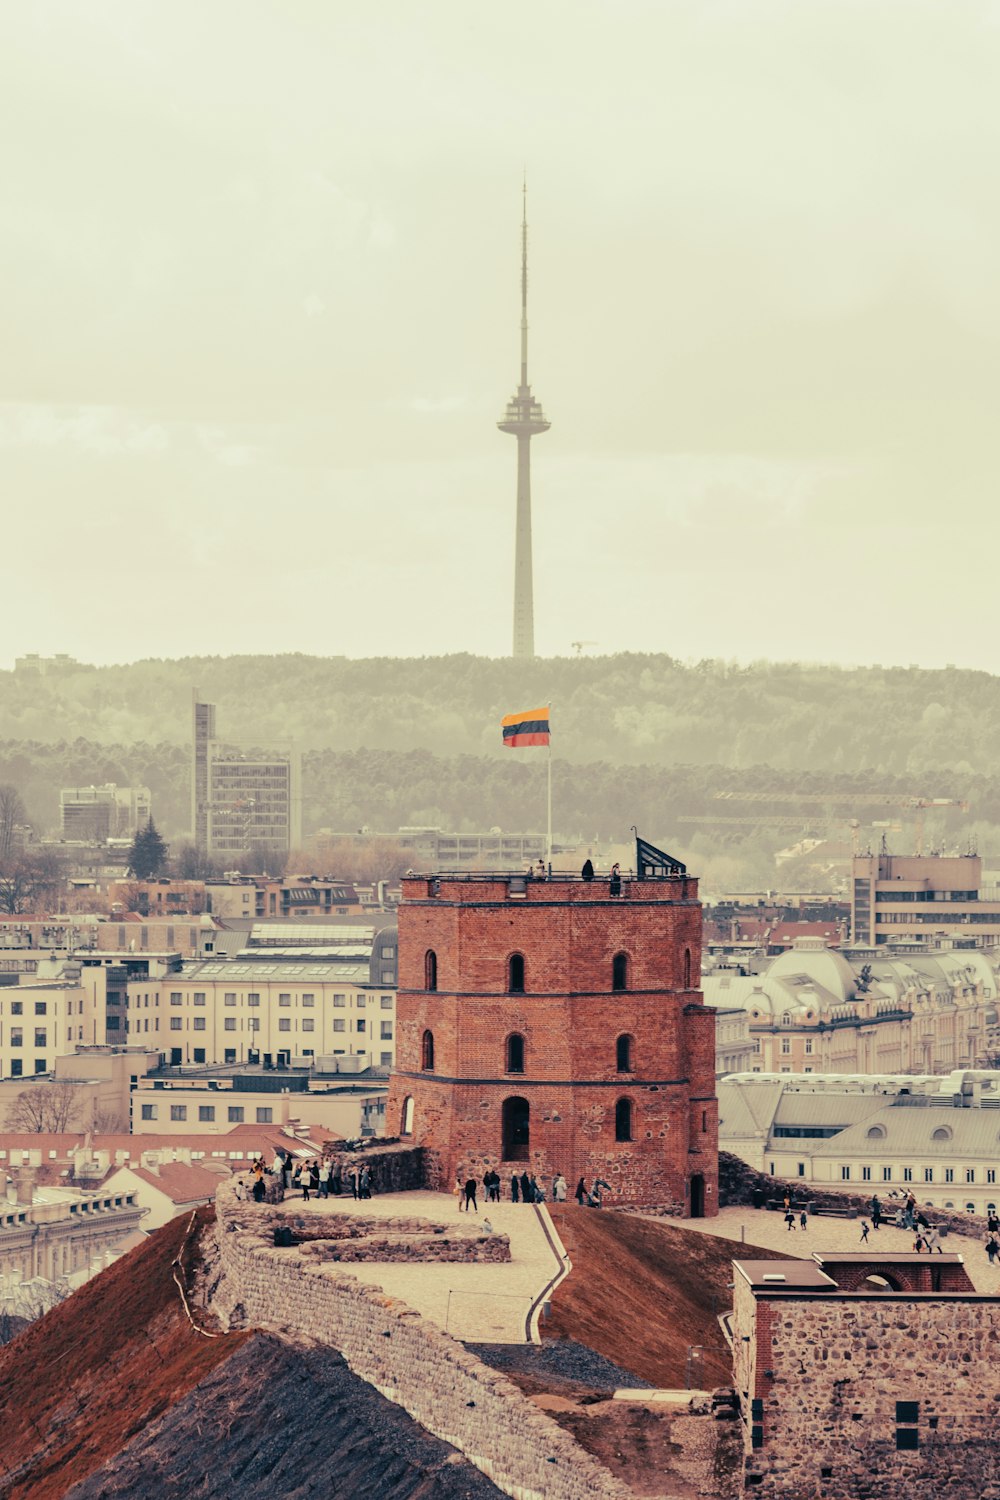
<point x="273" y="1006"/>
<point x="938" y="1137"/>
<point x="42" y="1019"/>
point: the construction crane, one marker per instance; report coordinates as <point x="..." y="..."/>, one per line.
<point x="920" y="806"/>
<point x="803" y="823"/>
<point x="578" y="646"/>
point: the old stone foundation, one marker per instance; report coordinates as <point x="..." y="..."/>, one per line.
<point x="407" y="1358"/>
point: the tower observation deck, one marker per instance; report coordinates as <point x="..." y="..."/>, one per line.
<point x="523" y="419"/>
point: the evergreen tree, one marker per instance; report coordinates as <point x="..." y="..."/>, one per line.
<point x="148" y="854"/>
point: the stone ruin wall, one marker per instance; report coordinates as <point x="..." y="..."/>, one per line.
<point x="830" y="1373"/>
<point x="737" y="1181"/>
<point x="351" y="1237"/>
<point x="407" y="1358"/>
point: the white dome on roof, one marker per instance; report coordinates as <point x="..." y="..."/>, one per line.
<point x="810" y="961"/>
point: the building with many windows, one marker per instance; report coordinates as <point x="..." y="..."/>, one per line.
<point x="275" y="1005"/>
<point x="938" y="1137"/>
<point x="244" y="799"/>
<point x="816" y="1009"/>
<point x="928" y="899"/>
<point x="97" y="813"/>
<point x="337" y="1093"/>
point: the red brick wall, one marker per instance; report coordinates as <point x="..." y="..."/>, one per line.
<point x="569" y="933"/>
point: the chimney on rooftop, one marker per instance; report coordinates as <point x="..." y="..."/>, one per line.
<point x="151" y="1161"/>
<point x="26" y="1185"/>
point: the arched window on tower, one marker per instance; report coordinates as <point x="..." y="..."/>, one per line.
<point x="406" y="1125"/>
<point x="623" y="1051"/>
<point x="430" y="970"/>
<point x="687" y="968"/>
<point x="427" y="1052"/>
<point x="515" y="974"/>
<point x="515" y="1124"/>
<point x="515" y="1053"/>
<point x="619" y="972"/>
<point x="623" y="1120"/>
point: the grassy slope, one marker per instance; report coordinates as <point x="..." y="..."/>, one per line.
<point x="79" y="1383"/>
<point x="643" y="1290"/>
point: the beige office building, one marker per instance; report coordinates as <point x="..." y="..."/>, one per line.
<point x="929" y="899"/>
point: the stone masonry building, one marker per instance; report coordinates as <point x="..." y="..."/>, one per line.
<point x="556" y="1025"/>
<point x="858" y="1380"/>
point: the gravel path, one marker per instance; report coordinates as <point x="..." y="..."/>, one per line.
<point x="557" y="1361"/>
<point x="764" y="1227"/>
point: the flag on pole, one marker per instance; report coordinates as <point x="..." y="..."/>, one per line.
<point x="528" y="728"/>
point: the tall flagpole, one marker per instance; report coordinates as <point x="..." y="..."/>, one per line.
<point x="548" y="859"/>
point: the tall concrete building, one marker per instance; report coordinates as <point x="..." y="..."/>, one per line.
<point x="243" y="799"/>
<point x="932" y="899"/>
<point x="96" y="813"/>
<point x="523" y="419"/>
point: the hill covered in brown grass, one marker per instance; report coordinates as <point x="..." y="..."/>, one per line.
<point x="643" y="1291"/>
<point x="114" y="1393"/>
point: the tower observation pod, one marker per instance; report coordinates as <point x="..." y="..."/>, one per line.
<point x="523" y="419"/>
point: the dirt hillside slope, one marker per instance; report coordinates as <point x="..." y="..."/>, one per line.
<point x="644" y="1290"/>
<point x="83" y="1380"/>
<point x="279" y="1420"/>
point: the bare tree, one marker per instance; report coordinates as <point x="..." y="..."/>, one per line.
<point x="27" y="879"/>
<point x="45" y="1109"/>
<point x="12" y="813"/>
<point x="106" y="1121"/>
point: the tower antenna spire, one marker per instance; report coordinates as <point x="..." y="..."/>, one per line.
<point x="524" y="283"/>
<point x="524" y="419"/>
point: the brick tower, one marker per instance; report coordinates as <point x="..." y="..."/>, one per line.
<point x="556" y="1025"/>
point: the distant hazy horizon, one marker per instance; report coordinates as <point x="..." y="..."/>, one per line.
<point x="262" y="266"/>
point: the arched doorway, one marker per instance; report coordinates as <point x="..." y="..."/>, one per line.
<point x="697" y="1196"/>
<point x="516" y="1129"/>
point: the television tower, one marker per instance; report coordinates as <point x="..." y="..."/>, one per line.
<point x="524" y="418"/>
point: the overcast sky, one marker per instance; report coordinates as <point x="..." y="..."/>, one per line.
<point x="260" y="264"/>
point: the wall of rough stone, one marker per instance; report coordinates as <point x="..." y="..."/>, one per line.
<point x="737" y="1181"/>
<point x="352" y="1237"/>
<point x="829" y="1371"/>
<point x="405" y="1357"/>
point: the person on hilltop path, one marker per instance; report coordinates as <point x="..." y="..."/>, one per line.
<point x="515" y="1188"/>
<point x="803" y="1220"/>
<point x="581" y="1192"/>
<point x="789" y="1220"/>
<point x="470" y="1194"/>
<point x="459" y="1194"/>
<point x="526" y="1191"/>
<point x="559" y="1188"/>
<point x="864" y="1230"/>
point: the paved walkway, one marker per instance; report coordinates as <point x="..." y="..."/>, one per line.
<point x="767" y="1228"/>
<point x="482" y="1303"/>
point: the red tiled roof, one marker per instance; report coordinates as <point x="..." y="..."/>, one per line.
<point x="180" y="1182"/>
<point x="240" y="1138"/>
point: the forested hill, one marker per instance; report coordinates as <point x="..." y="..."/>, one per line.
<point x="627" y="709"/>
<point x="387" y="789"/>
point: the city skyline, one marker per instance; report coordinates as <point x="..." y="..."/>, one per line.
<point x="263" y="327"/>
